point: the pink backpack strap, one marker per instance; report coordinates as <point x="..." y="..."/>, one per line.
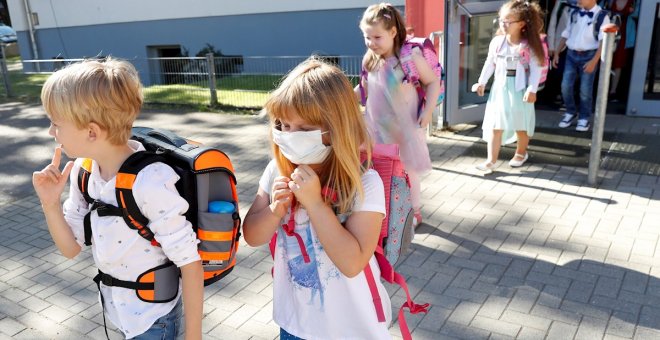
<point x="410" y="73"/>
<point x="289" y="230"/>
<point x="363" y="96"/>
<point x="378" y="304"/>
<point x="388" y="273"/>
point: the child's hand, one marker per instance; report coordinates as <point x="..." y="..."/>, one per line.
<point x="555" y="60"/>
<point x="590" y="66"/>
<point x="281" y="196"/>
<point x="425" y="119"/>
<point x="49" y="182"/>
<point x="479" y="89"/>
<point x="306" y="186"/>
<point x="529" y="97"/>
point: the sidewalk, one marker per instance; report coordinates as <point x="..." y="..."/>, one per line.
<point x="528" y="253"/>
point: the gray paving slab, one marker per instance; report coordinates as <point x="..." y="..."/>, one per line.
<point x="526" y="253"/>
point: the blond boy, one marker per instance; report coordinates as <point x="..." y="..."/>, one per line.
<point x="92" y="106"/>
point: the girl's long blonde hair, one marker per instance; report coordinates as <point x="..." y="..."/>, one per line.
<point x="322" y="95"/>
<point x="389" y="16"/>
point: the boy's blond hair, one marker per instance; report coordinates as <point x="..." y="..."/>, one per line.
<point x="323" y="96"/>
<point x="106" y="92"/>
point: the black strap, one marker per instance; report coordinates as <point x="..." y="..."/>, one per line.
<point x="110" y="281"/>
<point x="130" y="210"/>
<point x="102" y="209"/>
<point x="83" y="184"/>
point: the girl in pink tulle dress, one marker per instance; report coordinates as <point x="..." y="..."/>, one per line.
<point x="392" y="105"/>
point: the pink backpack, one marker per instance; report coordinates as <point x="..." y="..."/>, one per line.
<point x="395" y="234"/>
<point x="526" y="56"/>
<point x="411" y="74"/>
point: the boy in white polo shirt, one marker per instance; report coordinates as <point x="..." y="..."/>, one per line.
<point x="581" y="61"/>
<point x="92" y="106"/>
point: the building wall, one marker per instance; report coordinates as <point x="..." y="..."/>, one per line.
<point x="252" y="27"/>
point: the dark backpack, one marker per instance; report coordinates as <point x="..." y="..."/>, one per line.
<point x="206" y="175"/>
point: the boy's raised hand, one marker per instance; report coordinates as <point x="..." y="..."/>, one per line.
<point x="49" y="182"/>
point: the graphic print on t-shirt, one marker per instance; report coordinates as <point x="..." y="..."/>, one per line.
<point x="307" y="276"/>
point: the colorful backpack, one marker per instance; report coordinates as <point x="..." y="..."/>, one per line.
<point x="206" y="175"/>
<point x="526" y="58"/>
<point x="395" y="234"/>
<point x="396" y="231"/>
<point x="411" y="74"/>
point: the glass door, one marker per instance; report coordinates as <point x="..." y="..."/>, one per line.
<point x="644" y="96"/>
<point x="470" y="27"/>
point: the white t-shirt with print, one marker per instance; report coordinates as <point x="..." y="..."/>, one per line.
<point x="121" y="252"/>
<point x="315" y="300"/>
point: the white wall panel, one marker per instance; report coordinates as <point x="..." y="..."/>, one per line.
<point x="69" y="13"/>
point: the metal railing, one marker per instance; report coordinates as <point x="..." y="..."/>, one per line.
<point x="234" y="81"/>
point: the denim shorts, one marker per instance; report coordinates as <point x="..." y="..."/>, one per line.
<point x="169" y="326"/>
<point x="284" y="335"/>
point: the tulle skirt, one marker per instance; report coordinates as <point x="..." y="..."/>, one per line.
<point x="506" y="111"/>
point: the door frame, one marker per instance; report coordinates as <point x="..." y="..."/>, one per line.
<point x="637" y="105"/>
<point x="453" y="112"/>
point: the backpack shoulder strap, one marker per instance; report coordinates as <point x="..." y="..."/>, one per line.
<point x="83" y="179"/>
<point x="363" y="94"/>
<point x="410" y="72"/>
<point x="600" y="17"/>
<point x="124" y="192"/>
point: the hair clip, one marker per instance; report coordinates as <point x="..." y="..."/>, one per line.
<point x="387" y="16"/>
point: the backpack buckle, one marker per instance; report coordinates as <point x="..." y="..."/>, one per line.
<point x="107" y="280"/>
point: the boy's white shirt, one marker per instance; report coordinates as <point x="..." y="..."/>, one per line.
<point x="122" y="252"/>
<point x="498" y="66"/>
<point x="323" y="303"/>
<point x="579" y="34"/>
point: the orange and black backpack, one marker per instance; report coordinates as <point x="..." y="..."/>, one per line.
<point x="206" y="175"/>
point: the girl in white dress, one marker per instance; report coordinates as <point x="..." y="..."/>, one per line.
<point x="510" y="112"/>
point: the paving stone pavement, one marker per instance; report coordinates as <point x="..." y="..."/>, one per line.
<point x="528" y="253"/>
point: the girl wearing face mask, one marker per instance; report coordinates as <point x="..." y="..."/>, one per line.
<point x="324" y="208"/>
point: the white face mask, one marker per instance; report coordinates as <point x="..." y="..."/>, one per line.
<point x="302" y="147"/>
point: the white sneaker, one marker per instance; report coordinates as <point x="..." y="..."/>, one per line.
<point x="582" y="125"/>
<point x="567" y="120"/>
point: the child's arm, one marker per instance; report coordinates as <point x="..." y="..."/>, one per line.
<point x="192" y="276"/>
<point x="156" y="194"/>
<point x="555" y="58"/>
<point x="431" y="84"/>
<point x="49" y="185"/>
<point x="593" y="63"/>
<point x="534" y="78"/>
<point x="263" y="218"/>
<point x="350" y="247"/>
<point x="488" y="68"/>
<point x="590" y="66"/>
